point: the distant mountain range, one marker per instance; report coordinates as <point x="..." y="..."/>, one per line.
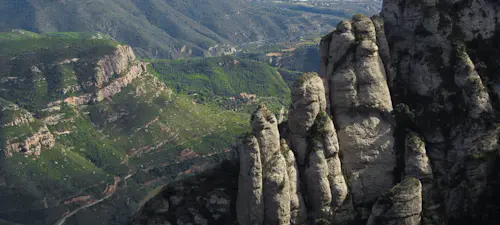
<point x="173" y="28"/>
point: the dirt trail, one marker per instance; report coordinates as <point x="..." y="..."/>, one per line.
<point x="110" y="190"/>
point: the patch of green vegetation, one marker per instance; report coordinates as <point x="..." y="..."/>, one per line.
<point x="16" y="124"/>
<point x="151" y="116"/>
<point x="55" y="165"/>
<point x="55" y="174"/>
<point x="94" y="146"/>
<point x="57" y="47"/>
<point x="291" y="56"/>
<point x="224" y="76"/>
<point x="290" y="76"/>
<point x="33" y="69"/>
<point x="404" y="115"/>
<point x="415" y="139"/>
<point x="18" y="35"/>
<point x="20" y="132"/>
<point x="77" y="35"/>
<point x="214" y="81"/>
<point x="406" y="184"/>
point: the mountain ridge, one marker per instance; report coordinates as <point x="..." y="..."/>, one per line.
<point x="166" y="29"/>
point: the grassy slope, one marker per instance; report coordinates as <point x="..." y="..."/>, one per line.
<point x="214" y="80"/>
<point x="87" y="158"/>
<point x="226" y="76"/>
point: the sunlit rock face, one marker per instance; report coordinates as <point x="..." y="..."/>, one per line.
<point x="360" y="102"/>
<point x="265" y="195"/>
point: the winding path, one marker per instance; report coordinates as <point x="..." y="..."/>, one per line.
<point x="110" y="193"/>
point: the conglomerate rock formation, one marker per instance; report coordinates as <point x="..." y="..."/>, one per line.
<point x="399" y="127"/>
<point x="444" y="55"/>
<point x="417" y="105"/>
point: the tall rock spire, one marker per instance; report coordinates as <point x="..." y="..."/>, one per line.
<point x="314" y="140"/>
<point x="360" y="103"/>
<point x="265" y="194"/>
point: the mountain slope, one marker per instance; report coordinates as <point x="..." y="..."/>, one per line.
<point x="166" y="29"/>
<point x="227" y="81"/>
<point x="82" y="120"/>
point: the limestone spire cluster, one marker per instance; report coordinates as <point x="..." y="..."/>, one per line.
<point x="359" y="100"/>
<point x="400" y="127"/>
<point x="353" y="90"/>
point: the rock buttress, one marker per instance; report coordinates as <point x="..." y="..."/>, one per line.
<point x="250" y="203"/>
<point x="360" y="103"/>
<point x="280" y="197"/>
<point x="314" y="141"/>
<point x="401" y="205"/>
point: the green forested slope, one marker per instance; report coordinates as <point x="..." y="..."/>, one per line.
<point x="217" y="79"/>
<point x="129" y="136"/>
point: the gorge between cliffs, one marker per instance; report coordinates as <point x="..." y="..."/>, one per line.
<point x="400" y="126"/>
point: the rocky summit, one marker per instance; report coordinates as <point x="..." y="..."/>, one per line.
<point x="400" y="126"/>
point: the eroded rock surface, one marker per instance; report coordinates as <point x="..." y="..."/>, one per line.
<point x="264" y="172"/>
<point x="297" y="205"/>
<point x="315" y="138"/>
<point x="446" y="63"/>
<point x="250" y="205"/>
<point x="401" y="205"/>
<point x="116" y="63"/>
<point x="308" y="99"/>
<point x="360" y="101"/>
<point x="21" y="132"/>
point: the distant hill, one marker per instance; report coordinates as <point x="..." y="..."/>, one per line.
<point x="173" y="28"/>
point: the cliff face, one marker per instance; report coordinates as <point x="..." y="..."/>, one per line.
<point x="444" y="55"/>
<point x="21" y="132"/>
<point x="91" y="81"/>
<point x="400" y="126"/>
<point x="434" y="61"/>
<point x="107" y="77"/>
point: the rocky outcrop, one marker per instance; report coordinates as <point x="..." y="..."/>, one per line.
<point x="308" y="99"/>
<point x="401" y="205"/>
<point x="134" y="70"/>
<point x="21" y="132"/>
<point x="417" y="163"/>
<point x="113" y="64"/>
<point x="275" y="180"/>
<point x="318" y="186"/>
<point x="297" y="206"/>
<point x="445" y="60"/>
<point x="250" y="204"/>
<point x="313" y="137"/>
<point x="360" y="102"/>
<point x="96" y="80"/>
